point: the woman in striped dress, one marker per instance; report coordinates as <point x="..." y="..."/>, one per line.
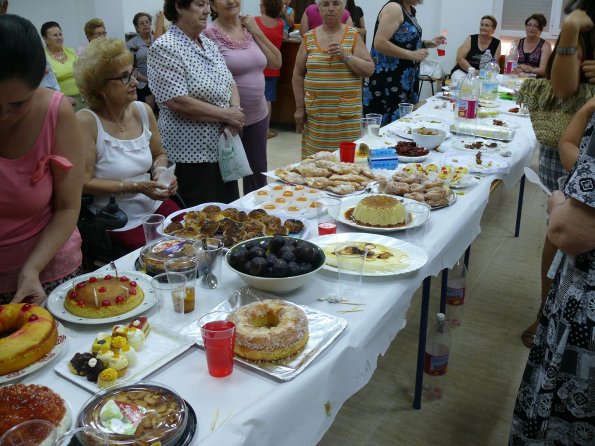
<point x="327" y="81"/>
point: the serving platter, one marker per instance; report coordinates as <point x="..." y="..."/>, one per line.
<point x="42" y="362"/>
<point x="55" y="301"/>
<point x="462" y="143"/>
<point x="324" y="329"/>
<point x="506" y="123"/>
<point x="416" y="256"/>
<point x="412" y="159"/>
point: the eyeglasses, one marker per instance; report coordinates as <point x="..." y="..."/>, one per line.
<point x="126" y="77"/>
<point x="531" y="25"/>
<point x="100" y="34"/>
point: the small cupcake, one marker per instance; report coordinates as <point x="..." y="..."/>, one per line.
<point x="105" y="356"/>
<point x="101" y="340"/>
<point x="262" y="195"/>
<point x="136" y="338"/>
<point x="107" y="378"/>
<point x="117" y="343"/>
<point x="94" y="368"/>
<point x="119" y="330"/>
<point x="277" y="190"/>
<point x="119" y="363"/>
<point x="130" y="354"/>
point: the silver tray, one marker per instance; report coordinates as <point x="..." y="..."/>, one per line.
<point x="324" y="329"/>
<point x="484" y="131"/>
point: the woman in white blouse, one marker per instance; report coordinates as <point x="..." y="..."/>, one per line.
<point x="197" y="97"/>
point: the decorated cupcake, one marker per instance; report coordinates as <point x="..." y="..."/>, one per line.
<point x="102" y="340"/>
<point x="94" y="368"/>
<point x="119" y="330"/>
<point x="105" y="355"/>
<point x="129" y="353"/>
<point x="119" y="363"/>
<point x="107" y="378"/>
<point x="117" y="343"/>
<point x="136" y="338"/>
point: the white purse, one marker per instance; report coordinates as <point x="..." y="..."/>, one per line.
<point x="431" y="68"/>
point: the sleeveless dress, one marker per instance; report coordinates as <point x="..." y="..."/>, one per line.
<point x="26" y="207"/>
<point x="332" y="97"/>
<point x="394" y="80"/>
<point x="534" y="57"/>
<point x="129" y="160"/>
<point x="475" y="53"/>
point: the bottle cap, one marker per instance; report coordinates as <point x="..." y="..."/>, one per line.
<point x="440" y="317"/>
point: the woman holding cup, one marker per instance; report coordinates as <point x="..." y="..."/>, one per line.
<point x="121" y="141"/>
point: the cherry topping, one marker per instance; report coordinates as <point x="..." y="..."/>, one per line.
<point x="26" y="307"/>
<point x="105" y="303"/>
<point x="33" y="318"/>
<point x="74" y="295"/>
<point x="92" y="279"/>
<point x="102" y="289"/>
<point x="133" y="283"/>
<point x="81" y="285"/>
<point x="119" y="299"/>
<point x="80" y="303"/>
<point x="108" y="277"/>
<point x="124" y="279"/>
<point x="132" y="291"/>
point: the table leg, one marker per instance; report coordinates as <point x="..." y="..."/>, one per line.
<point x="443" y="287"/>
<point x="421" y="347"/>
<point x="467" y="255"/>
<point x="519" y="208"/>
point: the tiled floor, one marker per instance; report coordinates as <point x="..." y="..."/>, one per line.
<point x="487" y="356"/>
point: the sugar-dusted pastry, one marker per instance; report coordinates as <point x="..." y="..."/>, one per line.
<point x="136" y="338"/>
<point x="417" y="196"/>
<point x="395" y="188"/>
<point x="311" y="171"/>
<point x="341" y="189"/>
<point x="318" y="182"/>
<point x="130" y="354"/>
<point x="349" y="177"/>
<point x="291" y="177"/>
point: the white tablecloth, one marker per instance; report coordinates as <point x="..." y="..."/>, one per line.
<point x="254" y="409"/>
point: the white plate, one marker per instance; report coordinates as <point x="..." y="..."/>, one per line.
<point x="351" y="202"/>
<point x="507" y="124"/>
<point x="159" y="349"/>
<point x="417" y="257"/>
<point x="55" y="302"/>
<point x="522" y="115"/>
<point x="488" y="104"/>
<point x="412" y="159"/>
<point x="435" y="120"/>
<point x="50" y="356"/>
<point x="466" y="181"/>
<point x="402" y="132"/>
<point x="283" y="217"/>
<point x="459" y="144"/>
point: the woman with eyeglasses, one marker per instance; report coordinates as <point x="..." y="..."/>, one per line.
<point x="534" y="52"/>
<point x="139" y="45"/>
<point x="94" y="29"/>
<point x="121" y="141"/>
<point x="41" y="167"/>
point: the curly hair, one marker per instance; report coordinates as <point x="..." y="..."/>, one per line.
<point x="91" y="25"/>
<point x="272" y="8"/>
<point x="169" y="8"/>
<point x="492" y="19"/>
<point x="140" y="15"/>
<point x="96" y="64"/>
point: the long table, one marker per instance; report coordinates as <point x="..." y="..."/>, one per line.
<point x="251" y="408"/>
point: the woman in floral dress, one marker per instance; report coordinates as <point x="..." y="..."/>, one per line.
<point x="556" y="400"/>
<point x="397" y="50"/>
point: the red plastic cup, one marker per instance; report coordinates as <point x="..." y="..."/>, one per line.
<point x="327" y="228"/>
<point x="347" y="152"/>
<point x="441" y="51"/>
<point x="218" y="330"/>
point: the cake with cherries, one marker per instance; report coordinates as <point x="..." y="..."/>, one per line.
<point x="381" y="211"/>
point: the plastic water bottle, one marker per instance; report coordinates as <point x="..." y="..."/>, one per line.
<point x="483" y="63"/>
<point x="512" y="59"/>
<point x="436" y="359"/>
<point x="455" y="88"/>
<point x="456" y="287"/>
<point x="489" y="86"/>
<point x="468" y="96"/>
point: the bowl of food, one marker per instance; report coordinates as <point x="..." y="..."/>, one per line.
<point x="428" y="137"/>
<point x="276" y="264"/>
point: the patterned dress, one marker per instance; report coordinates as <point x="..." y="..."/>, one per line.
<point x="332" y="97"/>
<point x="394" y="80"/>
<point x="556" y="400"/>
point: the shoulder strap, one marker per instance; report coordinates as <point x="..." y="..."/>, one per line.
<point x="143" y="113"/>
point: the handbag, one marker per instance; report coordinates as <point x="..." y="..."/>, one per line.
<point x="431" y="68"/>
<point x="550" y="115"/>
<point x="233" y="162"/>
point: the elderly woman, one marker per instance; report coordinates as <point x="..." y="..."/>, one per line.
<point x="327" y="81"/>
<point x="312" y="18"/>
<point x="41" y="166"/>
<point x="197" y="97"/>
<point x="94" y="29"/>
<point x="397" y="49"/>
<point x="121" y="140"/>
<point x="247" y="52"/>
<point x="470" y="52"/>
<point x="139" y="45"/>
<point x="534" y="52"/>
<point x="272" y="27"/>
<point x="61" y="60"/>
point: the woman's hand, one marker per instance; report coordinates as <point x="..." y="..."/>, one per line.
<point x="579" y="20"/>
<point x="29" y="288"/>
<point x="554" y="200"/>
<point x="588" y="68"/>
<point x="152" y="189"/>
<point x="235" y="118"/>
<point x="418" y="55"/>
<point x="436" y="41"/>
<point x="300" y="118"/>
<point x="249" y="22"/>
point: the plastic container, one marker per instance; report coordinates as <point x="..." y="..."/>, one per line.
<point x="512" y="59"/>
<point x="489" y="85"/>
<point x="456" y="287"/>
<point x="161" y="414"/>
<point x="154" y="255"/>
<point x="436" y="359"/>
<point x="383" y="163"/>
<point x="483" y="63"/>
<point x="468" y="96"/>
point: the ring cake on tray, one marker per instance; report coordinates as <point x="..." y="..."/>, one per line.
<point x="27" y="332"/>
<point x="103" y="297"/>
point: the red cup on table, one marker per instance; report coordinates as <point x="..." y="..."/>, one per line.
<point x="218" y="329"/>
<point x="441" y="49"/>
<point x="327" y="213"/>
<point x="347" y="152"/>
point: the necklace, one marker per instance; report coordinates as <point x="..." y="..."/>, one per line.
<point x="120" y="125"/>
<point x="59" y="56"/>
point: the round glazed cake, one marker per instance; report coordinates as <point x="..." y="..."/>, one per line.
<point x="24" y="402"/>
<point x="270" y="330"/>
<point x="379" y="210"/>
<point x="27" y="333"/>
<point x="103" y="297"/>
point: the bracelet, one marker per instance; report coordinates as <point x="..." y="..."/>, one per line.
<point x="566" y="50"/>
<point x="235" y="106"/>
<point x="349" y="55"/>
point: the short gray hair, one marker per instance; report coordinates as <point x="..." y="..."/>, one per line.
<point x="320" y="1"/>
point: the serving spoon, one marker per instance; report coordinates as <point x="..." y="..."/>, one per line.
<point x="210" y="278"/>
<point x="534" y="178"/>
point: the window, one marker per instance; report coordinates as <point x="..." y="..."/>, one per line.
<point x="513" y="13"/>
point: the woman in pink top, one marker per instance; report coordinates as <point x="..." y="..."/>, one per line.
<point x="247" y="52"/>
<point x="311" y="18"/>
<point x="41" y="167"/>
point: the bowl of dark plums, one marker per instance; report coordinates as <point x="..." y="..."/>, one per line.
<point x="277" y="264"/>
